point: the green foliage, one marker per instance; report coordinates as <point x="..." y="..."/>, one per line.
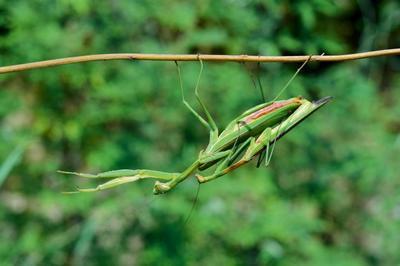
<point x="329" y="197"/>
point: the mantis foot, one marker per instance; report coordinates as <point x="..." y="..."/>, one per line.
<point x="161" y="188"/>
<point x="201" y="179"/>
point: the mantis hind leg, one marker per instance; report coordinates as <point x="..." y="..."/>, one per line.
<point x="213" y="126"/>
<point x="210" y="124"/>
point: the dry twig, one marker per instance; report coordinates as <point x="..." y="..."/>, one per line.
<point x="196" y="57"/>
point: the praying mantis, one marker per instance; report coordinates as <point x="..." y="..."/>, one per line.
<point x="253" y="133"/>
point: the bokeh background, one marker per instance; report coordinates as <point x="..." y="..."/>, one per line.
<point x="331" y="195"/>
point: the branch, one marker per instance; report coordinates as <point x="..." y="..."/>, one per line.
<point x="197" y="57"/>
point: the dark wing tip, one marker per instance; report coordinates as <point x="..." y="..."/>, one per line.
<point x="323" y="100"/>
<point x="318" y="104"/>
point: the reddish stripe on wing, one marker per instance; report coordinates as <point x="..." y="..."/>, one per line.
<point x="268" y="109"/>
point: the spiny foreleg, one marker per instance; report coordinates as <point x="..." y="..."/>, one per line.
<point x="120" y="177"/>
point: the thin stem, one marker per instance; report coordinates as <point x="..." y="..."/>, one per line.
<point x="197" y="57"/>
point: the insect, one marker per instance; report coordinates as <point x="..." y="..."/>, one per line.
<point x="251" y="134"/>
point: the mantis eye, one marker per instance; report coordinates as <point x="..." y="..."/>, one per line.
<point x="241" y="123"/>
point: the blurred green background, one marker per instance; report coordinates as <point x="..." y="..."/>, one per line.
<point x="330" y="196"/>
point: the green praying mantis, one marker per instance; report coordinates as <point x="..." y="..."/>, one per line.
<point x="251" y="134"/>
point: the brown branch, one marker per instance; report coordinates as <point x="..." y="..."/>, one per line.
<point x="196" y="57"/>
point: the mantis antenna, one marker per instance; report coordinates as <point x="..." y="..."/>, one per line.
<point x="193" y="205"/>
